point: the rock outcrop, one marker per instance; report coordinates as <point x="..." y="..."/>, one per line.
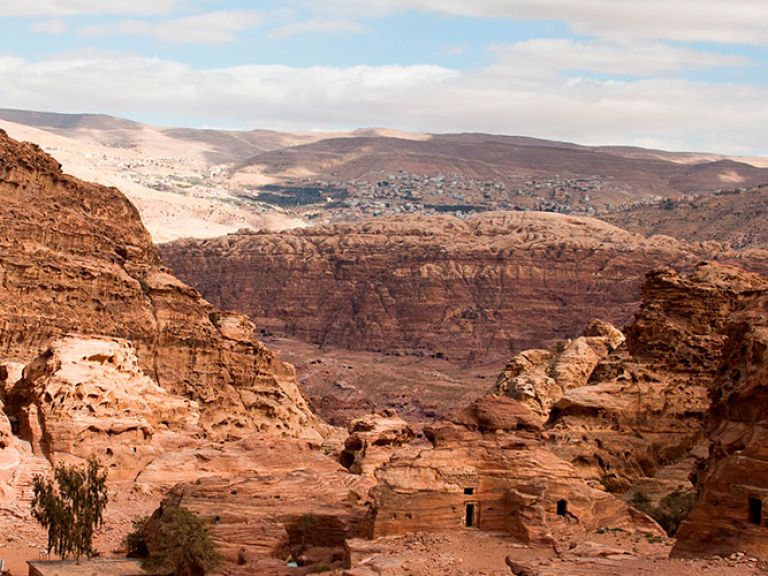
<point x="731" y="514"/>
<point x="430" y="285"/>
<point x="631" y="415"/>
<point x="502" y="481"/>
<point x="87" y="396"/>
<point x="371" y="441"/>
<point x="268" y="501"/>
<point x="74" y="257"/>
<point x="540" y="378"/>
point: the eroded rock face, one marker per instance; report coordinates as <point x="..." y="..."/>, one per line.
<point x="540" y="378"/>
<point x="268" y="500"/>
<point x="731" y="514"/>
<point x="87" y="396"/>
<point x="464" y="290"/>
<point x="74" y="257"/>
<point x="371" y="441"/>
<point x="680" y="326"/>
<point x="502" y="482"/>
<point x="631" y="415"/>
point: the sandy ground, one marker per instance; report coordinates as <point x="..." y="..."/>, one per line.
<point x="344" y="384"/>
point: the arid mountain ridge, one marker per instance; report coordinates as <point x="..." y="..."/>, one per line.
<point x="205" y="183"/>
<point x="738" y="217"/>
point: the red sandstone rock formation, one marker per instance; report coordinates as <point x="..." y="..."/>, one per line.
<point x="633" y="416"/>
<point x="371" y="441"/>
<point x="540" y="378"/>
<point x="268" y="501"/>
<point x="502" y="481"/>
<point x="87" y="396"/>
<point x="463" y="290"/>
<point x="74" y="257"/>
<point x="731" y="514"/>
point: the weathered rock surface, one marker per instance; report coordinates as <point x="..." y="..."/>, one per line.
<point x="464" y="290"/>
<point x="74" y="257"/>
<point x="268" y="500"/>
<point x="730" y="515"/>
<point x="371" y="441"/>
<point x="502" y="482"/>
<point x="633" y="414"/>
<point x="540" y="378"/>
<point x="87" y="395"/>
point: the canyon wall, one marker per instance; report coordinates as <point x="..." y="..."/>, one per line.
<point x="430" y="285"/>
<point x="75" y="257"/>
<point x="731" y="514"/>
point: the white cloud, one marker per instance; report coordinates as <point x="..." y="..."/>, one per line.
<point x="547" y="56"/>
<point x="43" y="8"/>
<point x="55" y="27"/>
<point x="674" y="113"/>
<point x="209" y="28"/>
<point x="736" y="21"/>
<point x="316" y="27"/>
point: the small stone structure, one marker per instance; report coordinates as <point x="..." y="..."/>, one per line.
<point x="101" y="566"/>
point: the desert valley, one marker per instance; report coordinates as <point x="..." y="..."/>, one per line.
<point x="476" y="390"/>
<point x="383" y="288"/>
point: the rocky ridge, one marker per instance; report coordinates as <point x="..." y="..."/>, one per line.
<point x="74" y="257"/>
<point x="436" y="286"/>
<point x="735" y="217"/>
<point x="680" y="401"/>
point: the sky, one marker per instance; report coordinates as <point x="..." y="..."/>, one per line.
<point x="672" y="74"/>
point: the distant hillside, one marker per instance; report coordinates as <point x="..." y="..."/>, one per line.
<point x="209" y="182"/>
<point x="610" y="175"/>
<point x="739" y="218"/>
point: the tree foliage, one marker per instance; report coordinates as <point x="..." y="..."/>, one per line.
<point x="177" y="543"/>
<point x="71" y="506"/>
<point x="136" y="540"/>
<point x="670" y="512"/>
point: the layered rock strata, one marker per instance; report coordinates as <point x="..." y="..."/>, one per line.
<point x="429" y="285"/>
<point x="74" y="257"/>
<point x="494" y="475"/>
<point x="268" y="501"/>
<point x="731" y="514"/>
<point x="632" y="415"/>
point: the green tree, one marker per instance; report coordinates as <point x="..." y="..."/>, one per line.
<point x="178" y="543"/>
<point x="71" y="507"/>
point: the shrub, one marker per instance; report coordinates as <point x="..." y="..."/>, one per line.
<point x="178" y="543"/>
<point x="670" y="512"/>
<point x="135" y="541"/>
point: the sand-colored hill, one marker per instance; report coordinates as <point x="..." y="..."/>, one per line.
<point x="203" y="183"/>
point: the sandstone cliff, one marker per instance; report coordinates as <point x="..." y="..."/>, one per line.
<point x="632" y="415"/>
<point x="730" y="515"/>
<point x="74" y="257"/>
<point x="463" y="290"/>
<point x="490" y="470"/>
